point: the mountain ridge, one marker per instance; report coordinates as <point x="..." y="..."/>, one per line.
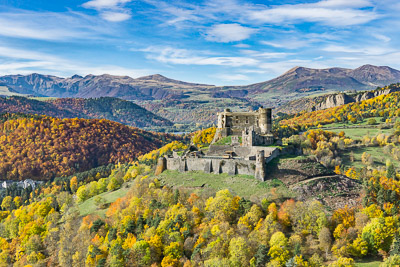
<point x="295" y="83"/>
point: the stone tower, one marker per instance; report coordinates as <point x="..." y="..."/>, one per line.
<point x="260" y="166"/>
<point x="248" y="136"/>
<point x="265" y="120"/>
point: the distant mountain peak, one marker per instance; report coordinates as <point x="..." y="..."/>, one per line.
<point x="294" y="69"/>
<point x="76" y="76"/>
<point x="155" y="77"/>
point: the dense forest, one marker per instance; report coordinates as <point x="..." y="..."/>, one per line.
<point x="155" y="225"/>
<point x="41" y="147"/>
<point x="109" y="108"/>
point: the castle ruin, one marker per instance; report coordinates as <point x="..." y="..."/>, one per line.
<point x="255" y="127"/>
<point x="241" y="145"/>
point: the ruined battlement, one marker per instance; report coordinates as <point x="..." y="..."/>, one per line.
<point x="250" y="134"/>
<point x="235" y="122"/>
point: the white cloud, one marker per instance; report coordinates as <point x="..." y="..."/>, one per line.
<point x="104" y="4"/>
<point x="110" y="10"/>
<point x="50" y="26"/>
<point x="336" y="13"/>
<point x="115" y="16"/>
<point x="287" y="43"/>
<point x="13" y="61"/>
<point x="242" y="45"/>
<point x="261" y="54"/>
<point x="382" y="37"/>
<point x="327" y="15"/>
<point x="185" y="57"/>
<point x="361" y="50"/>
<point x="225" y="33"/>
<point x="344" y="3"/>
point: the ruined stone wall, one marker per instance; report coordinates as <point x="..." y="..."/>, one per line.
<point x="242" y="151"/>
<point x="217" y="166"/>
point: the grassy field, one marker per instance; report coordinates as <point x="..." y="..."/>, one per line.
<point x="89" y="206"/>
<point x="368" y="264"/>
<point x="376" y="152"/>
<point x="358" y="133"/>
<point x="241" y="185"/>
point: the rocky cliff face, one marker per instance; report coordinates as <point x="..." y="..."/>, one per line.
<point x="334" y="101"/>
<point x="342" y="98"/>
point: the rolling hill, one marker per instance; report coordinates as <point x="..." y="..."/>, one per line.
<point x="109" y="108"/>
<point x="41" y="147"/>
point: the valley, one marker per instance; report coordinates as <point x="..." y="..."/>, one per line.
<point x="175" y="100"/>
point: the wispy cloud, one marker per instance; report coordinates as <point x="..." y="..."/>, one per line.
<point x="21" y="61"/>
<point x="50" y="26"/>
<point x="287" y="44"/>
<point x="172" y="55"/>
<point x="324" y="12"/>
<point x="110" y="10"/>
<point x="226" y="33"/>
<point x="360" y="50"/>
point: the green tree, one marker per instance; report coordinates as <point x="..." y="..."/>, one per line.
<point x="238" y="252"/>
<point x="7" y="203"/>
<point x="278" y="251"/>
<point x="390" y="171"/>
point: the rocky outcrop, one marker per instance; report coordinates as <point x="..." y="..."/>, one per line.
<point x="342" y="98"/>
<point x="334" y="101"/>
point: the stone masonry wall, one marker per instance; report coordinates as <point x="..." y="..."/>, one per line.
<point x="229" y="166"/>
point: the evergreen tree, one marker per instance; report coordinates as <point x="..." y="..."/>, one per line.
<point x="261" y="256"/>
<point x="380" y="198"/>
<point x="131" y="226"/>
<point x="176" y="196"/>
<point x="390" y="171"/>
<point x="395" y="247"/>
<point x="139" y="225"/>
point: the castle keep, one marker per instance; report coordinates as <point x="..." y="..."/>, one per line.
<point x="240" y="146"/>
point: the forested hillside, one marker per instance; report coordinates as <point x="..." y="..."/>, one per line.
<point x="108" y="108"/>
<point x="151" y="224"/>
<point x="386" y="106"/>
<point x="41" y="147"/>
<point x="114" y="109"/>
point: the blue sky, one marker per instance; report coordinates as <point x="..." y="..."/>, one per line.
<point x="222" y="42"/>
